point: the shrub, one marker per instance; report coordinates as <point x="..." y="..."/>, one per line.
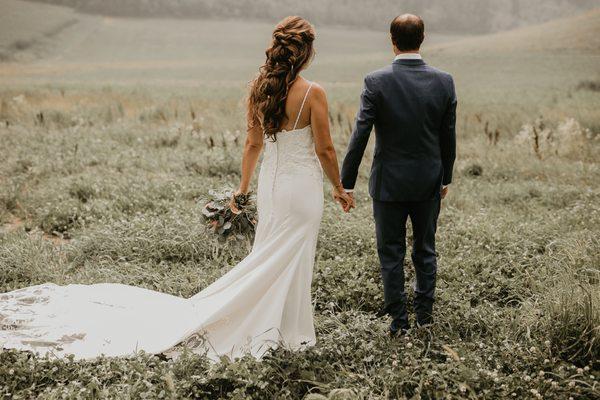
<point x="27" y="260"/>
<point x="568" y="139"/>
<point x="82" y="191"/>
<point x="60" y="218"/>
<point x="593" y="86"/>
<point x="571" y="323"/>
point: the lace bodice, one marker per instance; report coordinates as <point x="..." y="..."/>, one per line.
<point x="292" y="153"/>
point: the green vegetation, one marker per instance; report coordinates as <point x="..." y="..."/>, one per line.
<point x="102" y="164"/>
<point x="85" y="200"/>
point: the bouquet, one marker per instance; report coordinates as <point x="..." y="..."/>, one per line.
<point x="225" y="220"/>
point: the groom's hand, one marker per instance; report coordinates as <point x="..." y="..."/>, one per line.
<point x="351" y="195"/>
<point x="444" y="192"/>
<point x="351" y="202"/>
<point x="345" y="200"/>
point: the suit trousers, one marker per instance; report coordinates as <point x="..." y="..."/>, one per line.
<point x="390" y="223"/>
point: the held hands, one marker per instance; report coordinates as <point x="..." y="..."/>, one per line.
<point x="444" y="192"/>
<point x="345" y="199"/>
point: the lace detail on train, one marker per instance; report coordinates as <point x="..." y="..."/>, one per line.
<point x="261" y="303"/>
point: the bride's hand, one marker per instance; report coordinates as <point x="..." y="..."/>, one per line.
<point x="344" y="198"/>
<point x="233" y="204"/>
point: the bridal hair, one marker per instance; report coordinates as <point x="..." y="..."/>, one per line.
<point x="290" y="50"/>
<point x="408" y="32"/>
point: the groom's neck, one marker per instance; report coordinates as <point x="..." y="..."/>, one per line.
<point x="398" y="52"/>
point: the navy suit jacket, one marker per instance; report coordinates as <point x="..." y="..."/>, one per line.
<point x="413" y="109"/>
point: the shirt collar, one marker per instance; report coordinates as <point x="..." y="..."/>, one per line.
<point x="408" y="56"/>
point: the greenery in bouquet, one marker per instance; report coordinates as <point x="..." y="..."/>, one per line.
<point x="225" y="220"/>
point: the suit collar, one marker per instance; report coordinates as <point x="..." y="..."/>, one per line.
<point x="409" y="62"/>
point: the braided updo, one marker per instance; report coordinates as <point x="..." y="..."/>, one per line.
<point x="291" y="49"/>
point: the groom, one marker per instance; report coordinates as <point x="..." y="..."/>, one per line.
<point x="413" y="109"/>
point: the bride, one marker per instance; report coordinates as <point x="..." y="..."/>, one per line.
<point x="262" y="302"/>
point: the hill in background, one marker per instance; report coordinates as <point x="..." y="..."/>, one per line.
<point x="26" y="29"/>
<point x="458" y="16"/>
<point x="579" y="33"/>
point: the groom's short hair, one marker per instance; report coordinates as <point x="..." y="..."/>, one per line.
<point x="408" y="32"/>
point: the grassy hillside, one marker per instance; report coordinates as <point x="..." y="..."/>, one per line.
<point x="497" y="75"/>
<point x="579" y="34"/>
<point x="27" y="29"/>
<point x="441" y="16"/>
<point x="549" y="69"/>
<point x="112" y="136"/>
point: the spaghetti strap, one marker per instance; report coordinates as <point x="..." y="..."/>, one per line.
<point x="302" y="105"/>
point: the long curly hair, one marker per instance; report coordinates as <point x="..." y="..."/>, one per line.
<point x="290" y="50"/>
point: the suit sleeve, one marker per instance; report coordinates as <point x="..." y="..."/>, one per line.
<point x="448" y="136"/>
<point x="360" y="135"/>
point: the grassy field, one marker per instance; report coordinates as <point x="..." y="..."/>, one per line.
<point x="113" y="130"/>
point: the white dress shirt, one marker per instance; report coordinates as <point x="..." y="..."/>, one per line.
<point x="408" y="56"/>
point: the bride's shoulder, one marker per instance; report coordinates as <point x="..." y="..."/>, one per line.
<point x="317" y="96"/>
<point x="317" y="91"/>
<point x="316" y="86"/>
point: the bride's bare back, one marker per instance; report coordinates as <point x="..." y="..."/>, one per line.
<point x="298" y="93"/>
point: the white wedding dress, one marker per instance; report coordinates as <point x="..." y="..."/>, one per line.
<point x="263" y="302"/>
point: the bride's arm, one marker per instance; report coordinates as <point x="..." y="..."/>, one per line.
<point x="252" y="149"/>
<point x="319" y="120"/>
